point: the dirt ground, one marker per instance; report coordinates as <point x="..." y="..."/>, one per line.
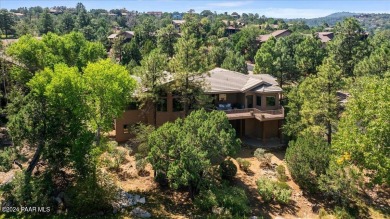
<point x="299" y="208"/>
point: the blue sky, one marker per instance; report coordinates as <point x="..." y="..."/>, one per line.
<point x="275" y="8"/>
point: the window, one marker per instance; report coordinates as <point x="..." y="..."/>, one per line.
<point x="133" y="106"/>
<point x="126" y="129"/>
<point x="270" y="101"/>
<point x="258" y="100"/>
<point x="177" y="105"/>
<point x="249" y="101"/>
<point x="162" y="104"/>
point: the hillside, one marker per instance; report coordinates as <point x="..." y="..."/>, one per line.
<point x="369" y="21"/>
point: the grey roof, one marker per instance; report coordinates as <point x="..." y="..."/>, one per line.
<point x="222" y="80"/>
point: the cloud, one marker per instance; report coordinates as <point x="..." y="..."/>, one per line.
<point x="229" y="4"/>
<point x="295" y="12"/>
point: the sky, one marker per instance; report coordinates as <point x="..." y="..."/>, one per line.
<point x="274" y="8"/>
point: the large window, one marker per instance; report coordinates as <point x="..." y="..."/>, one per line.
<point x="258" y="100"/>
<point x="270" y="101"/>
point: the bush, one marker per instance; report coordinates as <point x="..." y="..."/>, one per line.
<point x="206" y="200"/>
<point x="228" y="170"/>
<point x="7" y="156"/>
<point x="259" y="154"/>
<point x="140" y="165"/>
<point x="266" y="161"/>
<point x="281" y="173"/>
<point x="244" y="164"/>
<point x="307" y="158"/>
<point x="232" y="199"/>
<point x="265" y="188"/>
<point x="272" y="190"/>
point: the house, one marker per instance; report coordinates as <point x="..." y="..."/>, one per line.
<point x="276" y="34"/>
<point x="128" y="35"/>
<point x="251" y="103"/>
<point x="325" y="36"/>
<point x="177" y="24"/>
<point x="235" y="15"/>
<point x="155" y="13"/>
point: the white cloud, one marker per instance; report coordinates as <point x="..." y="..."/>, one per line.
<point x="295" y="12"/>
<point x="229" y="4"/>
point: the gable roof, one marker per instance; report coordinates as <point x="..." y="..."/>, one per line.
<point x="325" y="36"/>
<point x="276" y="34"/>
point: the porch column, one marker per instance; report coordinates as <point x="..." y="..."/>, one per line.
<point x="263" y="102"/>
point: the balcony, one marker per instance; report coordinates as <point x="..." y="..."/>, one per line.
<point x="261" y="115"/>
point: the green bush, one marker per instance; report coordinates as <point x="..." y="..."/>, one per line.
<point x="265" y="188"/>
<point x="7" y="156"/>
<point x="228" y="170"/>
<point x="244" y="164"/>
<point x="259" y="154"/>
<point x="307" y="158"/>
<point x="232" y="199"/>
<point x="281" y="173"/>
<point x="206" y="200"/>
<point x="272" y="190"/>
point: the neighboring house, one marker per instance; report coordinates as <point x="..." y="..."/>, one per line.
<point x="251" y="103"/>
<point x="177" y="24"/>
<point x="155" y="13"/>
<point x="128" y="35"/>
<point x="276" y="34"/>
<point x="235" y="15"/>
<point x="325" y="37"/>
<point x="177" y="16"/>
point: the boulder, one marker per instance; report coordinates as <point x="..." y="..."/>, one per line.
<point x="142" y="200"/>
<point x="139" y="212"/>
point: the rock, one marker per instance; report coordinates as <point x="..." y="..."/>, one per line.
<point x="58" y="200"/>
<point x="253" y="217"/>
<point x="139" y="212"/>
<point x="115" y="207"/>
<point x="217" y="210"/>
<point x="142" y="200"/>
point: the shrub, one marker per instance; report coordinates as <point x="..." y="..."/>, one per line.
<point x="259" y="154"/>
<point x="228" y="170"/>
<point x="266" y="161"/>
<point x="7" y="156"/>
<point x="281" y="173"/>
<point x="233" y="200"/>
<point x="91" y="195"/>
<point x="140" y="165"/>
<point x="272" y="190"/>
<point x="206" y="200"/>
<point x="265" y="188"/>
<point x="307" y="158"/>
<point x="244" y="164"/>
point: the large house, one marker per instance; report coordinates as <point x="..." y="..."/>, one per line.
<point x="251" y="103"/>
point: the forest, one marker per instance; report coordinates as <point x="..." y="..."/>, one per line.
<point x="64" y="82"/>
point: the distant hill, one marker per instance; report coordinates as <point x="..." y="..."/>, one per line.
<point x="369" y="21"/>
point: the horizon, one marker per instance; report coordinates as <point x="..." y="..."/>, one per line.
<point x="277" y="9"/>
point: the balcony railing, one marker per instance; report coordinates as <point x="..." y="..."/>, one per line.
<point x="261" y="115"/>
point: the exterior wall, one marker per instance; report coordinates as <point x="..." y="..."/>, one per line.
<point x="132" y="117"/>
<point x="271" y="129"/>
<point x="129" y="117"/>
<point x="264" y="100"/>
